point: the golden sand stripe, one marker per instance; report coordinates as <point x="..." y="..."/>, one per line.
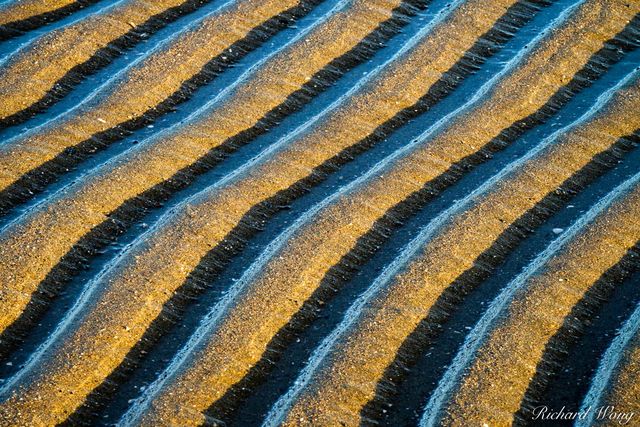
<point x="245" y="330"/>
<point x="136" y="290"/>
<point x="496" y="381"/>
<point x="24" y="9"/>
<point x="348" y="376"/>
<point x="28" y="255"/>
<point x="33" y="71"/>
<point x="140" y="88"/>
